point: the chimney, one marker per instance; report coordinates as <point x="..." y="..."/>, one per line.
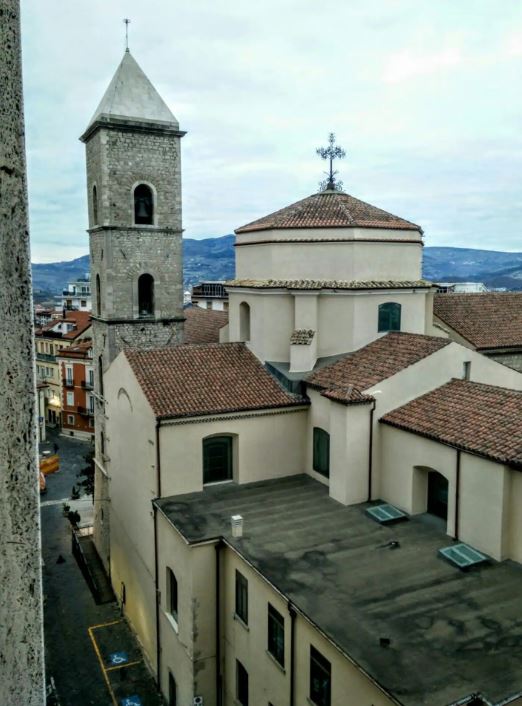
<point x="237" y="525"/>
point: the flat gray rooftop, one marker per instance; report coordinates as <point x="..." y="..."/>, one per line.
<point x="452" y="633"/>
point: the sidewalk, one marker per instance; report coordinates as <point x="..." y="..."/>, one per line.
<point x="82" y="638"/>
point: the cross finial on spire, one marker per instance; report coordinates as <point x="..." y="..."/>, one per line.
<point x="331" y="152"/>
<point x="127" y="23"/>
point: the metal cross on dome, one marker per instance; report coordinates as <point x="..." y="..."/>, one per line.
<point x="331" y="152"/>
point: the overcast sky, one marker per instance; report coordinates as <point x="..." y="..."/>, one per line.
<point x="424" y="95"/>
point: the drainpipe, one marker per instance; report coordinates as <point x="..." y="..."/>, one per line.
<point x="457" y="494"/>
<point x="158" y="598"/>
<point x="219" y="699"/>
<point x="158" y="460"/>
<point x="370" y="453"/>
<point x="293" y="614"/>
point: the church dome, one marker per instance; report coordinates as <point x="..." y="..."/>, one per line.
<point x="329" y="209"/>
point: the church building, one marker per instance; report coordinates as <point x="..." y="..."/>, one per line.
<point x="323" y="507"/>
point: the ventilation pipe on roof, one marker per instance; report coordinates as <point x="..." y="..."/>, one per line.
<point x="236" y="522"/>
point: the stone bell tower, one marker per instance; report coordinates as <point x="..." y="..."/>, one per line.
<point x="134" y="200"/>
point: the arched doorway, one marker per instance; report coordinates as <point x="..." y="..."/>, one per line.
<point x="437" y="495"/>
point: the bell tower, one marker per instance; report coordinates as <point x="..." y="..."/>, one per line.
<point x="134" y="200"/>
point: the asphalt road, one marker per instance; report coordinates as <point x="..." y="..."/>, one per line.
<point x="82" y="638"/>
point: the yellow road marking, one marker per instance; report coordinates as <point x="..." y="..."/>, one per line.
<point x="122" y="666"/>
<point x="100" y="660"/>
<point x="104" y="625"/>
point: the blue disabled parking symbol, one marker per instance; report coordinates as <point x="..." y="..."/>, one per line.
<point x="118" y="658"/>
<point x="131" y="701"/>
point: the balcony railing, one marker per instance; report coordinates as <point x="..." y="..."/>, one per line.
<point x="87" y="385"/>
<point x="46" y="357"/>
<point x="86" y="411"/>
<point x="68" y="382"/>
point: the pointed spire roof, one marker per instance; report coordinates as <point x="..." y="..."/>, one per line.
<point x="132" y="97"/>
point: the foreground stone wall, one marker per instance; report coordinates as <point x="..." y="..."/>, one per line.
<point x="21" y="622"/>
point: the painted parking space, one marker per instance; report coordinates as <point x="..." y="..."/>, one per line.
<point x="125" y="674"/>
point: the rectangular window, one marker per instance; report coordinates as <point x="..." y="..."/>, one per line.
<point x="70" y="419"/>
<point x="90" y="377"/>
<point x="70" y="399"/>
<point x="91" y="404"/>
<point x="467" y="370"/>
<point x="320" y="678"/>
<point x="68" y="374"/>
<point x="241" y="684"/>
<point x="172" y="592"/>
<point x="276" y="635"/>
<point x="321" y="452"/>
<point x="241" y="597"/>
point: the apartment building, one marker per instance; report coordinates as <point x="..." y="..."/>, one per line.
<point x="60" y="333"/>
<point x="77" y="371"/>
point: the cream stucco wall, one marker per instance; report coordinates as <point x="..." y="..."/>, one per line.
<point x="188" y="645"/>
<point x="333" y="259"/>
<point x="348" y="426"/>
<point x="268" y="682"/>
<point x="267" y="445"/>
<point x="343" y="321"/>
<point x="487" y="517"/>
<point x="132" y="471"/>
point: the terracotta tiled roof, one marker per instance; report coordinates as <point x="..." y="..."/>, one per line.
<point x="80" y="319"/>
<point x="77" y="350"/>
<point x="192" y="380"/>
<point x="377" y="361"/>
<point x="478" y="418"/>
<point x="329" y="209"/>
<point x="327" y="284"/>
<point x="486" y="320"/>
<point x="302" y="337"/>
<point x="202" y="325"/>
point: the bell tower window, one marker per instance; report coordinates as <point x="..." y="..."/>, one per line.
<point x="143" y="205"/>
<point x="146" y="295"/>
<point x="244" y="322"/>
<point x="389" y="317"/>
<point x="98" y="296"/>
<point x="94" y="205"/>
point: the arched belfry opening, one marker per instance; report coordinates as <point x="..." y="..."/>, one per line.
<point x="98" y="296"/>
<point x="143" y="205"/>
<point x="244" y="322"/>
<point x="94" y="205"/>
<point x="146" y="295"/>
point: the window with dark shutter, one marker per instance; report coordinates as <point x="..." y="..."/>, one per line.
<point x="389" y="317"/>
<point x="217" y="459"/>
<point x="276" y="635"/>
<point x="321" y="452"/>
<point x="320" y="679"/>
<point x="241" y="684"/>
<point x="241" y="597"/>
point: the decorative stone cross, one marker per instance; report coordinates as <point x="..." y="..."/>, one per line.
<point x="331" y="152"/>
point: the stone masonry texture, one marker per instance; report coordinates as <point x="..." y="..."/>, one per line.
<point x="119" y="158"/>
<point x="22" y="679"/>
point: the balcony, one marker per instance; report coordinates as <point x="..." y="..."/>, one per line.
<point x="46" y="357"/>
<point x="87" y="385"/>
<point x="86" y="411"/>
<point x="67" y="382"/>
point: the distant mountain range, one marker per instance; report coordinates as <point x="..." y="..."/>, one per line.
<point x="213" y="259"/>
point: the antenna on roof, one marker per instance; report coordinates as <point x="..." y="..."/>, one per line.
<point x="127" y="23"/>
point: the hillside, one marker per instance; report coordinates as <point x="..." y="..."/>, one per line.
<point x="213" y="259"/>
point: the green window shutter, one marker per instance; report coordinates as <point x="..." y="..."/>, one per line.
<point x="389" y="317"/>
<point x="321" y="452"/>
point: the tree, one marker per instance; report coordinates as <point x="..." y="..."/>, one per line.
<point x="87" y="475"/>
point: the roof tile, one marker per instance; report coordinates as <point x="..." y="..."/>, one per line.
<point x="486" y="320"/>
<point x="329" y="209"/>
<point x="471" y="416"/>
<point x="215" y="378"/>
<point x="203" y="325"/>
